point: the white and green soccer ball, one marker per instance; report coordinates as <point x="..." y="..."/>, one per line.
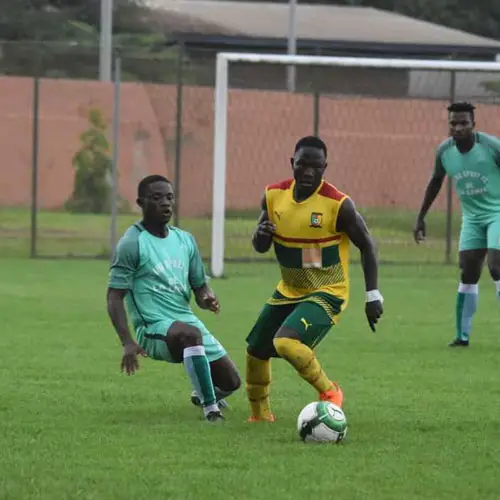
<point x="322" y="422"/>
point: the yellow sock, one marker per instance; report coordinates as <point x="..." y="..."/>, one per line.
<point x="303" y="360"/>
<point x="258" y="381"/>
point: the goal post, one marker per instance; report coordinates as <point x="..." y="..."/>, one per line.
<point x="223" y="61"/>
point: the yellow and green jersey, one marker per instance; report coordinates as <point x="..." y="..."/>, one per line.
<point x="313" y="256"/>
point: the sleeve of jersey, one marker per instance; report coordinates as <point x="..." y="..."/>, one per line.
<point x="124" y="265"/>
<point x="197" y="276"/>
<point x="494" y="146"/>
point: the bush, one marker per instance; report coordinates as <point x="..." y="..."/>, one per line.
<point x="93" y="166"/>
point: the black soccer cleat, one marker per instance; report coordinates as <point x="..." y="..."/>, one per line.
<point x="195" y="399"/>
<point x="459" y="343"/>
<point x="214" y="416"/>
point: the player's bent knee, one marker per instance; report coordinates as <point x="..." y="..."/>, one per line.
<point x="232" y="378"/>
<point x="494" y="263"/>
<point x="470" y="273"/>
<point x="282" y="345"/>
<point x="192" y="337"/>
<point x="494" y="269"/>
<point x="225" y="375"/>
<point x="187" y="335"/>
<point x="233" y="381"/>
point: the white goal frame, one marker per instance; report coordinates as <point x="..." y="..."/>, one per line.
<point x="221" y="109"/>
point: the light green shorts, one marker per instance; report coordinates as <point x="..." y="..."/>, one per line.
<point x="153" y="340"/>
<point x="478" y="235"/>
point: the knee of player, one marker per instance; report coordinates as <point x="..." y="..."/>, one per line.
<point x="284" y="338"/>
<point x="234" y="381"/>
<point x="191" y="336"/>
<point x="282" y="344"/>
<point x="494" y="268"/>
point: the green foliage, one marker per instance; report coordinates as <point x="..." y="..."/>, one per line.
<point x="492" y="86"/>
<point x="30" y="27"/>
<point x="93" y="166"/>
<point x="56" y="38"/>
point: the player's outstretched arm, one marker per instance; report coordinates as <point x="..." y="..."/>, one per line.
<point x="262" y="238"/>
<point x="431" y="192"/>
<point x="118" y="316"/>
<point x="350" y="222"/>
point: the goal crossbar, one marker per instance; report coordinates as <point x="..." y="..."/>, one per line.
<point x="221" y="108"/>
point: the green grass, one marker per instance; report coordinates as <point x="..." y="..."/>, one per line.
<point x="423" y="419"/>
<point x="65" y="234"/>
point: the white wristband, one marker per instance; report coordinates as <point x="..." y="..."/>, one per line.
<point x="373" y="295"/>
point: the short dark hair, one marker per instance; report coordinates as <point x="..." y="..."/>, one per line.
<point x="311" y="141"/>
<point x="462" y="107"/>
<point x="150" y="179"/>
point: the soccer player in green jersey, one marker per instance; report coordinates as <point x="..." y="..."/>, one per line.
<point x="155" y="270"/>
<point x="472" y="160"/>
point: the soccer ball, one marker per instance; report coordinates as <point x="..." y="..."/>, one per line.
<point x="322" y="422"/>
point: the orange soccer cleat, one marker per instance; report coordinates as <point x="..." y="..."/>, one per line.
<point x="334" y="395"/>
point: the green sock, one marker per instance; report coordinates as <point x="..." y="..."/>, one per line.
<point x="198" y="370"/>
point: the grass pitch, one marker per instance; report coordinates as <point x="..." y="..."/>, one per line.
<point x="423" y="419"/>
<point x="62" y="234"/>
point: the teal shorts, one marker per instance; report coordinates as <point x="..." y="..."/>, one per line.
<point x="308" y="319"/>
<point x="153" y="340"/>
<point x="480" y="235"/>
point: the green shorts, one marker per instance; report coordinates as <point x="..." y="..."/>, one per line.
<point x="153" y="340"/>
<point x="478" y="235"/>
<point x="308" y="319"/>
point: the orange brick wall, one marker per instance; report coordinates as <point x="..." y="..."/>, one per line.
<point x="381" y="151"/>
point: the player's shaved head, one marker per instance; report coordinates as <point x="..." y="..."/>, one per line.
<point x="311" y="141"/>
<point x="142" y="188"/>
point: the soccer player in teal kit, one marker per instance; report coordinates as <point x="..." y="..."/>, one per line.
<point x="155" y="270"/>
<point x="472" y="160"/>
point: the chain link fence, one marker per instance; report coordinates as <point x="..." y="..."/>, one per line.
<point x="61" y="137"/>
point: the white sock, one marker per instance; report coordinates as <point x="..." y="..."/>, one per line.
<point x="497" y="286"/>
<point x="210" y="408"/>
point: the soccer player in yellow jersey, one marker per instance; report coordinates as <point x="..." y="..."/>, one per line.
<point x="310" y="223"/>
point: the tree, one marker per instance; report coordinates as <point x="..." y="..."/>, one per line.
<point x="60" y="38"/>
<point x="93" y="169"/>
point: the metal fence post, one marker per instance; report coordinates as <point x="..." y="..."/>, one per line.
<point x="34" y="169"/>
<point x="114" y="168"/>
<point x="178" y="134"/>
<point x="449" y="187"/>
<point x="316" y="97"/>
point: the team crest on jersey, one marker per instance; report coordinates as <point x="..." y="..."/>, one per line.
<point x="316" y="219"/>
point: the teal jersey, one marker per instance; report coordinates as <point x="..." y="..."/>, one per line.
<point x="159" y="274"/>
<point x="475" y="175"/>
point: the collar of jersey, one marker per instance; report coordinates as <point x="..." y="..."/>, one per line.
<point x="292" y="187"/>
